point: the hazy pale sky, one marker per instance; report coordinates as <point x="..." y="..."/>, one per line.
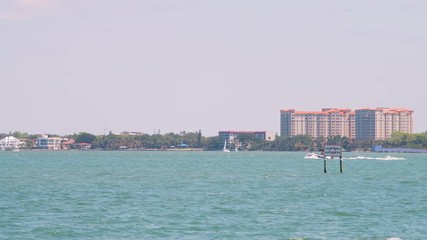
<point x="182" y="65"/>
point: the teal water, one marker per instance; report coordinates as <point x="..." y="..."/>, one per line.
<point x="211" y="195"/>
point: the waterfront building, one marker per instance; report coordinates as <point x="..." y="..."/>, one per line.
<point x="51" y="143"/>
<point x="324" y="123"/>
<point x="380" y="123"/>
<point x="10" y="143"/>
<point x="67" y="144"/>
<point x="82" y="146"/>
<point x="361" y="124"/>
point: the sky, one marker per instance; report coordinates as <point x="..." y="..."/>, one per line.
<point x="69" y="66"/>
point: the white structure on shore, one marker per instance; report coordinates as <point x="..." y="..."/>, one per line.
<point x="51" y="143"/>
<point x="10" y="143"/>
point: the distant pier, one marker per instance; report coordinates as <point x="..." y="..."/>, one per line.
<point x="379" y="148"/>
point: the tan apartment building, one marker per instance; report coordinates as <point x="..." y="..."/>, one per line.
<point x="380" y="123"/>
<point x="362" y="124"/>
<point x="325" y="123"/>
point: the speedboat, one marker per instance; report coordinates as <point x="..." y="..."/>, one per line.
<point x="314" y="155"/>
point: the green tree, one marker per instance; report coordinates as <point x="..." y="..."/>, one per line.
<point x="84" y="137"/>
<point x="398" y="139"/>
<point x="214" y="143"/>
<point x="199" y="139"/>
<point x="20" y="135"/>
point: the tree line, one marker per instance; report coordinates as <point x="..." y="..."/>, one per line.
<point x="244" y="142"/>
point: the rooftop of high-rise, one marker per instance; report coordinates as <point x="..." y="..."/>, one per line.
<point x="324" y="111"/>
<point x="348" y="111"/>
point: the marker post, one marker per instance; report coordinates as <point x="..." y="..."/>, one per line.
<point x="332" y="152"/>
<point x="324" y="165"/>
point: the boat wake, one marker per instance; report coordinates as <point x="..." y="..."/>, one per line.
<point x="386" y="158"/>
<point x="312" y="157"/>
<point x="315" y="156"/>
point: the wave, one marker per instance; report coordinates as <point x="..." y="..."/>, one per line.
<point x="386" y="158"/>
<point x="315" y="157"/>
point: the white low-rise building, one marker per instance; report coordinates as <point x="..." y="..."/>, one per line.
<point x="10" y="143"/>
<point x="51" y="143"/>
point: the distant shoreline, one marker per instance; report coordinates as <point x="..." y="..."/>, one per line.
<point x="112" y="150"/>
<point x="166" y="150"/>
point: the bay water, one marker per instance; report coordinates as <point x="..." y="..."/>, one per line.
<point x="211" y="195"/>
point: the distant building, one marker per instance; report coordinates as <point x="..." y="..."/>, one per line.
<point x="10" y="143"/>
<point x="231" y="135"/>
<point x="361" y="124"/>
<point x="67" y="144"/>
<point x="380" y="123"/>
<point x="126" y="133"/>
<point x="325" y="123"/>
<point x="82" y="146"/>
<point x="379" y="148"/>
<point x="50" y="143"/>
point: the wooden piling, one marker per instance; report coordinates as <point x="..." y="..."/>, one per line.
<point x="324" y="165"/>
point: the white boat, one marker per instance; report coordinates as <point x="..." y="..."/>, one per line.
<point x="225" y="147"/>
<point x="315" y="155"/>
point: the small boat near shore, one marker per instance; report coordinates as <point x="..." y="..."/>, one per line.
<point x="314" y="155"/>
<point x="225" y="147"/>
